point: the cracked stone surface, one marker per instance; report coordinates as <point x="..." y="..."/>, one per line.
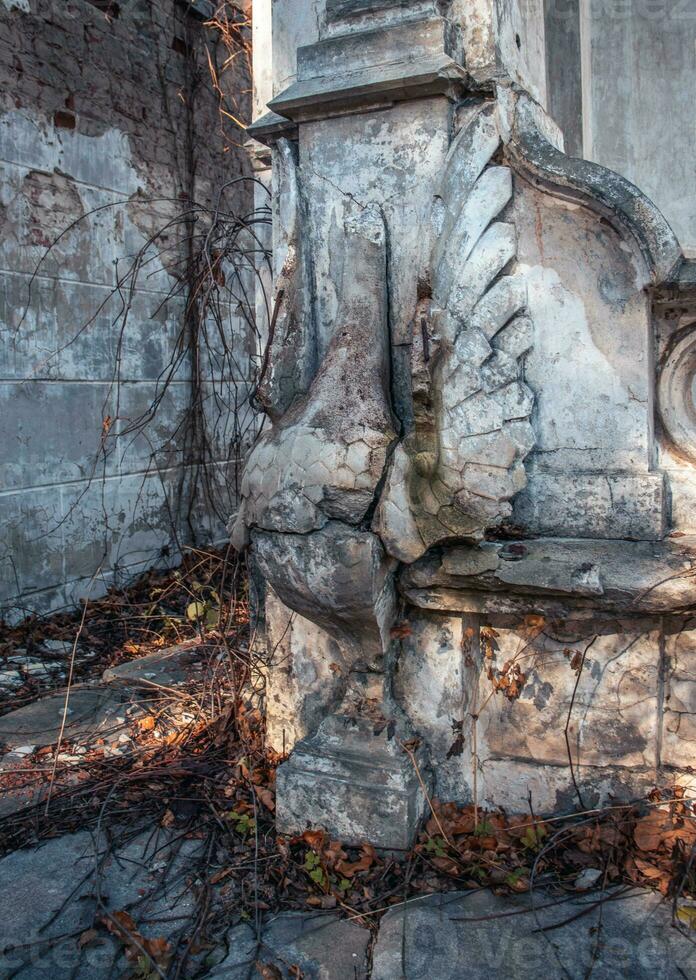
<point x="92" y="711"/>
<point x="464" y="430"/>
<point x="480" y="936"/>
<point x="49" y="898"/>
<point x="323" y="947"/>
<point x="50" y="892"/>
<point x="471" y="408"/>
<point x="338" y="578"/>
<point x="679" y="739"/>
<point x="324" y="457"/>
<point x="559" y="577"/>
<point x="615" y="717"/>
<point x="304" y="675"/>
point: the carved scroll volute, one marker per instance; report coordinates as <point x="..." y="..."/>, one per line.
<point x="457" y="471"/>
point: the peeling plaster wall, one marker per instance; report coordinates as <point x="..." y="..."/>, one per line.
<point x="92" y="112"/>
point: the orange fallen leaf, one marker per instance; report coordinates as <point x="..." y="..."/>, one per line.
<point x="647" y="869"/>
<point x="653" y="830"/>
<point x="314" y="838"/>
<point x="267" y="971"/>
<point x="348" y="869"/>
<point x="266" y="797"/>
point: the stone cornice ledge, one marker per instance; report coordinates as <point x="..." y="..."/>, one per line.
<point x="412" y="56"/>
<point x="527" y="132"/>
<point x="319" y="98"/>
<point x="270" y="127"/>
<point x="557" y="577"/>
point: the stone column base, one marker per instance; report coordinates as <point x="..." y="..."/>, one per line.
<point x="355" y="780"/>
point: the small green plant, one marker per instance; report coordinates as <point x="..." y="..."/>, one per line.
<point x="312" y="865"/>
<point x="242" y="822"/>
<point x="145" y="969"/>
<point x="533" y="837"/>
<point x="476" y="871"/>
<point x="435" y="847"/>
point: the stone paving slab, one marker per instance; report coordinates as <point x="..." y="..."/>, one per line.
<point x="91" y="712"/>
<point x="51" y="891"/>
<point x="48" y="898"/>
<point x="479" y="936"/>
<point x="323" y="946"/>
<point x="166" y="668"/>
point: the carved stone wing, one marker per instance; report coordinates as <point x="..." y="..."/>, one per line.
<point x="458" y="469"/>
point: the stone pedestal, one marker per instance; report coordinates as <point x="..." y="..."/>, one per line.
<point x="480" y="401"/>
<point x="354" y="778"/>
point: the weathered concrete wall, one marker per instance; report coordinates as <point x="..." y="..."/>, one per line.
<point x="640" y="87"/>
<point x="621" y="84"/>
<point x="102" y="104"/>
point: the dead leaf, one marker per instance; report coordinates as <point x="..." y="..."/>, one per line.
<point x="647" y="869"/>
<point x="266" y="797"/>
<point x="687" y="914"/>
<point x="157" y="948"/>
<point x="653" y="830"/>
<point x="220" y="875"/>
<point x="313" y="838"/>
<point x="364" y="862"/>
<point x="121" y="924"/>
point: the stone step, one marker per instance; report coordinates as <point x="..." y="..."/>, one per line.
<point x="99" y="716"/>
<point x="50" y="897"/>
<point x="320" y="945"/>
<point x="49" y="900"/>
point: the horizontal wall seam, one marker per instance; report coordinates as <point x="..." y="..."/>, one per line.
<point x="152" y="472"/>
<point x="109" y="382"/>
<point x="110" y="286"/>
<point x="127" y="197"/>
<point x="109" y="575"/>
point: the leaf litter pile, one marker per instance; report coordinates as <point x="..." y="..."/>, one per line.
<point x="213" y="781"/>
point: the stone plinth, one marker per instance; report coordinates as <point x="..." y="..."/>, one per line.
<point x="475" y="493"/>
<point x="354" y="778"/>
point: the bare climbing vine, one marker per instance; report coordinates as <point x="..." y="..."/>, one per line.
<point x="211" y="248"/>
